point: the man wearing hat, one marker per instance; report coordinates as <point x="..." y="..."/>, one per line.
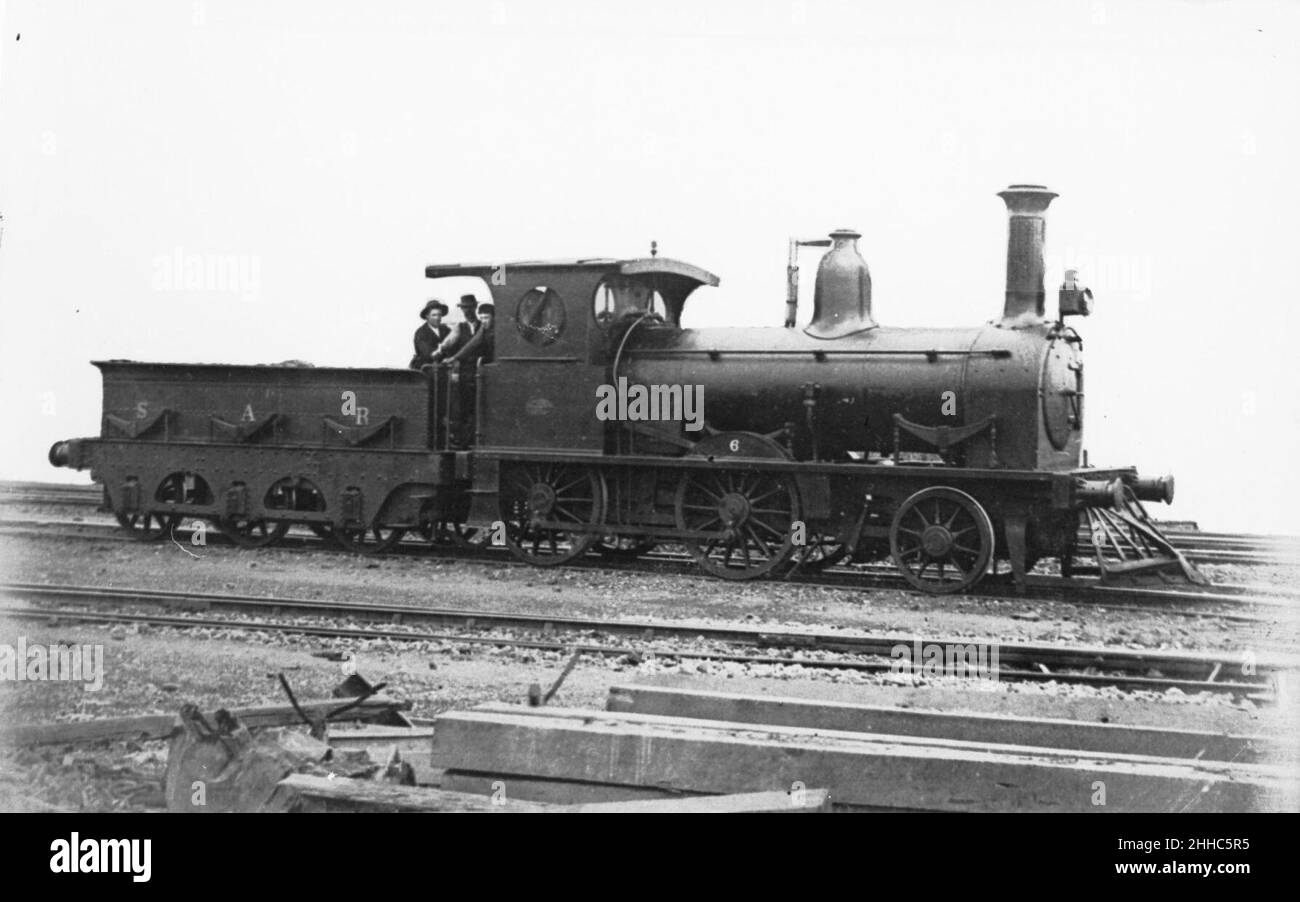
<point x="431" y="334"/>
<point x="481" y="345"/>
<point x="462" y="332"/>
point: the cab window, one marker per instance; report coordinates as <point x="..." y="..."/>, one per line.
<point x="619" y="297"/>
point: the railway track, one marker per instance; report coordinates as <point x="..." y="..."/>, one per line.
<point x="1157" y="670"/>
<point x="1225" y="602"/>
<point x="50" y="493"/>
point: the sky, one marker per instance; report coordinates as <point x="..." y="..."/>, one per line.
<point x="251" y="182"/>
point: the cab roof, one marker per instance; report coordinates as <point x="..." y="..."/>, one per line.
<point x="641" y="266"/>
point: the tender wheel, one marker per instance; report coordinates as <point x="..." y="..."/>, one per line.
<point x="294" y="494"/>
<point x="253" y="533"/>
<point x="550" y="511"/>
<point x="745" y="518"/>
<point x="148" y="527"/>
<point x="941" y="540"/>
<point x="375" y="540"/>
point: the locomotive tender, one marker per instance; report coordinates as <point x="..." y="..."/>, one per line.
<point x="947" y="450"/>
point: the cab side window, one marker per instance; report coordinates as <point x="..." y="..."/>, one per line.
<point x="617" y="298"/>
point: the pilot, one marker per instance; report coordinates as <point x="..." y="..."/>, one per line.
<point x="461" y="332"/>
<point x="482" y="345"/>
<point x="430" y="336"/>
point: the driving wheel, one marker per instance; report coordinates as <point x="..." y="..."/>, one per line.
<point x="737" y="524"/>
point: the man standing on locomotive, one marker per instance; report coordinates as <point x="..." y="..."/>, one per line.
<point x="481" y="345"/>
<point x="430" y="336"/>
<point x="461" y="332"/>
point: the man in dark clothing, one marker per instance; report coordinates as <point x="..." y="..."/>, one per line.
<point x="461" y="332"/>
<point x="481" y="345"/>
<point x="430" y="336"/>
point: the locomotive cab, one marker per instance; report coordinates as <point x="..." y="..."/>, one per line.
<point x="559" y="327"/>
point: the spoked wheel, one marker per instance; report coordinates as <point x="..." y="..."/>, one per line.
<point x="253" y="533"/>
<point x="296" y="494"/>
<point x="374" y="540"/>
<point x="941" y="540"/>
<point x="148" y="527"/>
<point x="625" y="548"/>
<point x="550" y="511"/>
<point x="818" y="553"/>
<point x="745" y="518"/>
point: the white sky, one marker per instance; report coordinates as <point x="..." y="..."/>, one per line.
<point x="337" y="148"/>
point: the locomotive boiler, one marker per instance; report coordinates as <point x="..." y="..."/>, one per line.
<point x="1006" y="394"/>
<point x="948" y="451"/>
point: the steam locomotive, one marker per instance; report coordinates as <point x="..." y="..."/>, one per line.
<point x="603" y="425"/>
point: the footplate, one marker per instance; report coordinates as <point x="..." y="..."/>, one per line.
<point x="1127" y="543"/>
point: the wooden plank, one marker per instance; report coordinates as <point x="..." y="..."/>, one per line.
<point x="378" y="735"/>
<point x="1046" y="752"/>
<point x="305" y="793"/>
<point x="160" y="726"/>
<point x="571" y="793"/>
<point x="554" y="792"/>
<point x="149" y="726"/>
<point x="804" y="801"/>
<point x="310" y="793"/>
<point x="685" y="755"/>
<point x="993" y="728"/>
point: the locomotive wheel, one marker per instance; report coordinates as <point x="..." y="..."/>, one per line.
<point x="149" y="527"/>
<point x="374" y="540"/>
<point x="941" y="540"/>
<point x="253" y="533"/>
<point x="536" y="494"/>
<point x="625" y="548"/>
<point x="749" y="516"/>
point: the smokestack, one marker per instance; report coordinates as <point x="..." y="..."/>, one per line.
<point x="1025" y="294"/>
<point x="842" y="300"/>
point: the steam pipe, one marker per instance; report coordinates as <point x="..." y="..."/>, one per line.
<point x="792" y="278"/>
